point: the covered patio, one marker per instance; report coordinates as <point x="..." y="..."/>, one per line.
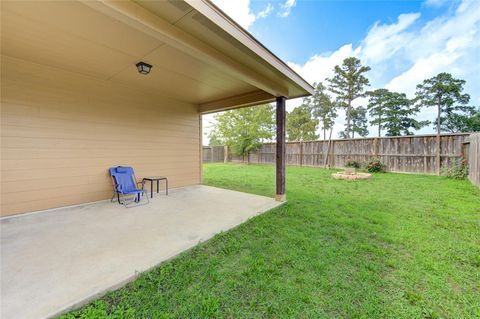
<point x="58" y="259"/>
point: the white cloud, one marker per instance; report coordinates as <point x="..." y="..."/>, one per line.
<point x="383" y="41"/>
<point x="445" y="44"/>
<point x="240" y="11"/>
<point x="265" y="12"/>
<point x="319" y="67"/>
<point x="286" y="8"/>
<point x="435" y="3"/>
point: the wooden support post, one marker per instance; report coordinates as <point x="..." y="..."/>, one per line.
<point x="280" y="154"/>
<point x="200" y="151"/>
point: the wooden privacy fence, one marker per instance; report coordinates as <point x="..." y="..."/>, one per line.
<point x="411" y="154"/>
<point x="213" y="154"/>
<point x="473" y="151"/>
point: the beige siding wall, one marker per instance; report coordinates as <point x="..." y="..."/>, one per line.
<point x="61" y="131"/>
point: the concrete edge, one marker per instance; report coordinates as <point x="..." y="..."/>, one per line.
<point x="75" y="205"/>
<point x="129" y="279"/>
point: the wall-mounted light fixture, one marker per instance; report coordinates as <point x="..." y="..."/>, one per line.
<point x="143" y="68"/>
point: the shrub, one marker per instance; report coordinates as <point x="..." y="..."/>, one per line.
<point x="375" y="166"/>
<point x="352" y="163"/>
<point x="458" y="170"/>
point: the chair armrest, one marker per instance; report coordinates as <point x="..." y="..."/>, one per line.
<point x="142" y="182"/>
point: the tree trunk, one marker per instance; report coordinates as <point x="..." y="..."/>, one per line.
<point x="347" y="131"/>
<point x="324" y="134"/>
<point x="438" y="159"/>
<point x="379" y="126"/>
<point x="328" y="148"/>
<point x="225" y="154"/>
<point x="438" y="117"/>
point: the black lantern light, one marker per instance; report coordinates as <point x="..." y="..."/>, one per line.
<point x="143" y="68"/>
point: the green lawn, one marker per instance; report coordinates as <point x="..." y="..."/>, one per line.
<point x="395" y="246"/>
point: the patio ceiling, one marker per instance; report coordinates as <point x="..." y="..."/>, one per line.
<point x="198" y="54"/>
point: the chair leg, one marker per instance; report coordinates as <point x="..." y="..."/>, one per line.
<point x="118" y="197"/>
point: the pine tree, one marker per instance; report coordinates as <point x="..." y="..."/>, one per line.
<point x="376" y="107"/>
<point x="322" y="108"/>
<point x="349" y="83"/>
<point x="445" y="93"/>
<point x="400" y="115"/>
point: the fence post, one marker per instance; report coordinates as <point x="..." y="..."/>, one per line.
<point x="375" y="147"/>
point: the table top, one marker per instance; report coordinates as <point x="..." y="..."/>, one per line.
<point x="154" y="178"/>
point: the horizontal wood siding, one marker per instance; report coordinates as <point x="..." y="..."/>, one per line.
<point x="61" y="132"/>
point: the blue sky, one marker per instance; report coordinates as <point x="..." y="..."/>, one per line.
<point x="403" y="42"/>
<point x="323" y="26"/>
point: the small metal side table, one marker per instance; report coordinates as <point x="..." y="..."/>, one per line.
<point x="157" y="179"/>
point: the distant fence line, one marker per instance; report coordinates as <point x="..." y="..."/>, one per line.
<point x="214" y="154"/>
<point x="409" y="154"/>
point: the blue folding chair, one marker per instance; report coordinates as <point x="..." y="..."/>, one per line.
<point x="125" y="184"/>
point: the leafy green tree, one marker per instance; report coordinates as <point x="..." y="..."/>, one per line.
<point x="400" y="115"/>
<point x="301" y="126"/>
<point x="445" y="93"/>
<point x="376" y="107"/>
<point x="349" y="83"/>
<point x="322" y="108"/>
<point x="466" y="121"/>
<point x="244" y="130"/>
<point x="214" y="140"/>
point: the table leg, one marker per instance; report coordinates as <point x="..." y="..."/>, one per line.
<point x="158" y="185"/>
<point x="166" y="184"/>
<point x="151" y="189"/>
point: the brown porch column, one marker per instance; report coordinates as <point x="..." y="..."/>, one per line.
<point x="280" y="154"/>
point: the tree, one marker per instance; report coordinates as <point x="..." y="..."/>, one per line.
<point x="444" y="92"/>
<point x="214" y="140"/>
<point x="466" y="121"/>
<point x="300" y="124"/>
<point x="376" y="107"/>
<point x="359" y="123"/>
<point x="349" y="83"/>
<point x="244" y="130"/>
<point x="473" y="123"/>
<point x="322" y="108"/>
<point x="400" y="115"/>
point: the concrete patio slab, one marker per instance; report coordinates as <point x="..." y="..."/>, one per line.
<point x="54" y="260"/>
